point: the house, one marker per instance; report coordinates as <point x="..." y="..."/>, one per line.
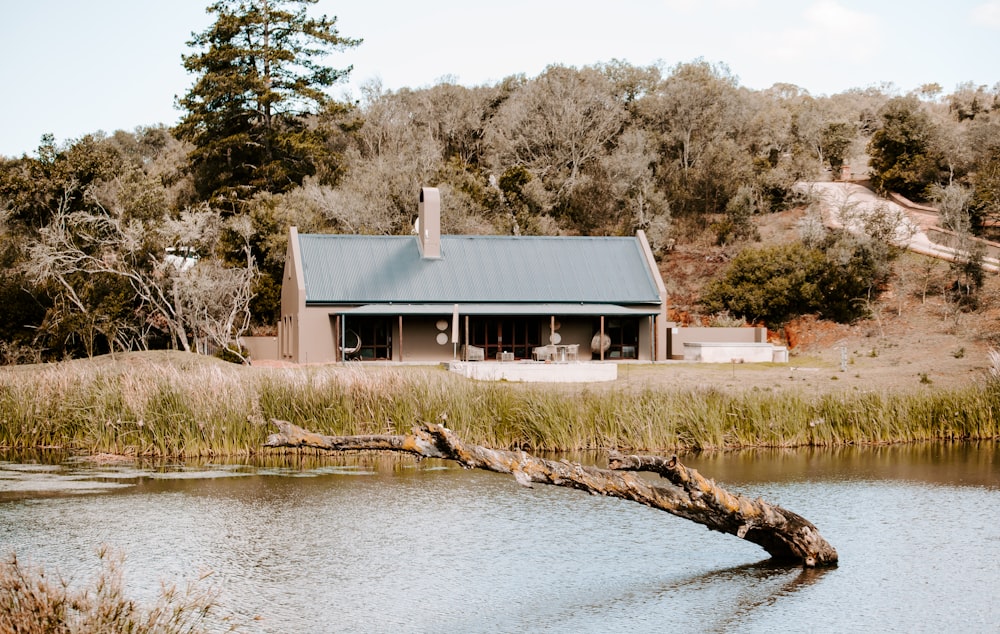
<point x="434" y="298"/>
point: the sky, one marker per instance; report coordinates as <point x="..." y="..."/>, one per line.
<point x="74" y="67"/>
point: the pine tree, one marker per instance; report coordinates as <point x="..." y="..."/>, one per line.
<point x="260" y="81"/>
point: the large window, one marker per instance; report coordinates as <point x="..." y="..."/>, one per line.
<point x="505" y="334"/>
<point x="368" y="339"/>
<point x="624" y="335"/>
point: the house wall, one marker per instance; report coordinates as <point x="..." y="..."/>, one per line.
<point x="293" y="301"/>
<point x="261" y="348"/>
<point x="419" y="341"/>
<point x="729" y="352"/>
<point x="316" y="336"/>
<point x="316" y="341"/>
<point x="660" y="325"/>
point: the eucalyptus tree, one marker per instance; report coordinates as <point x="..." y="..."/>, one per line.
<point x="260" y="80"/>
<point x="692" y="105"/>
<point x="969" y="101"/>
<point x="631" y="83"/>
<point x="456" y="116"/>
<point x="632" y="182"/>
<point x="835" y="141"/>
<point x="693" y="112"/>
<point x="556" y="126"/>
<point x="983" y="139"/>
<point x="395" y="153"/>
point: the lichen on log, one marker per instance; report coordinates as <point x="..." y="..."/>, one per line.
<point x="785" y="535"/>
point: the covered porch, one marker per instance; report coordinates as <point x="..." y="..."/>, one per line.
<point x="494" y="332"/>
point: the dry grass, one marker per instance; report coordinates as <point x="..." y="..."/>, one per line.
<point x="187" y="406"/>
<point x="33" y="601"/>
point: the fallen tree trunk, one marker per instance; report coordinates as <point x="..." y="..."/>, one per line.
<point x="786" y="536"/>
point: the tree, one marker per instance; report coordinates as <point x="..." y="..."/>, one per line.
<point x="769" y="285"/>
<point x="556" y="126"/>
<point x="682" y="491"/>
<point x="902" y="152"/>
<point x="633" y="184"/>
<point x="696" y="114"/>
<point x="194" y="299"/>
<point x="259" y="81"/>
<point x="836" y="139"/>
<point x="953" y="202"/>
<point x="738" y="224"/>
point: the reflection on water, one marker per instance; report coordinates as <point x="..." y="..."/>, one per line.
<point x="960" y="464"/>
<point x="381" y="544"/>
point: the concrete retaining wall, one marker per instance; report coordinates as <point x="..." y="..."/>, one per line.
<point x="728" y="352"/>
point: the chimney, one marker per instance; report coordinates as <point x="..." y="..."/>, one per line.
<point x="429" y="223"/>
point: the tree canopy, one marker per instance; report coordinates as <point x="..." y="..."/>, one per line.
<point x="260" y="77"/>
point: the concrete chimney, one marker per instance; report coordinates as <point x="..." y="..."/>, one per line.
<point x="429" y="223"/>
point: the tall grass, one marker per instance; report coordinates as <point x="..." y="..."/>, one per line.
<point x="186" y="406"/>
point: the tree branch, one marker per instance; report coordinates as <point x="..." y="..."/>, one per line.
<point x="786" y="536"/>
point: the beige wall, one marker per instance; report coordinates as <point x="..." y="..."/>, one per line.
<point x="419" y="341"/>
<point x="678" y="336"/>
<point x="261" y="347"/>
<point x="661" y="324"/>
<point x="293" y="301"/>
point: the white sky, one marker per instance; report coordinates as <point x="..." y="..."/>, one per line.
<point x="71" y="67"/>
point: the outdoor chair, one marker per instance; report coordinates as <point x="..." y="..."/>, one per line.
<point x="543" y="353"/>
<point x="473" y="353"/>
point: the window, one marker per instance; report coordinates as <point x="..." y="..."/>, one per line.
<point x="505" y="334"/>
<point x="368" y="339"/>
<point x="624" y="335"/>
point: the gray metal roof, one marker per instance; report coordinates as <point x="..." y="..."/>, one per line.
<point x="564" y="310"/>
<point x="351" y="269"/>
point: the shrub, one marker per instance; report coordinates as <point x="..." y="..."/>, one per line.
<point x="771" y="284"/>
<point x="834" y="279"/>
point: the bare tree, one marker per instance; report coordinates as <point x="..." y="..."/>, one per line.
<point x="786" y="536"/>
<point x="633" y="183"/>
<point x="187" y="295"/>
<point x="556" y="125"/>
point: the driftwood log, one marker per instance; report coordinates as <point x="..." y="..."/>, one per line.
<point x="786" y="536"/>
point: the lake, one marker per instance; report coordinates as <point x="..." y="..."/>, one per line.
<point x="385" y="545"/>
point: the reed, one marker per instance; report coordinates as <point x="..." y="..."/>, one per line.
<point x="35" y="601"/>
<point x="186" y="406"/>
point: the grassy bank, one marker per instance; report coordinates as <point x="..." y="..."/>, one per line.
<point x="174" y="404"/>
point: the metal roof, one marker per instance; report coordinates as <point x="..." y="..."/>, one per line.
<point x="562" y="310"/>
<point x="351" y="269"/>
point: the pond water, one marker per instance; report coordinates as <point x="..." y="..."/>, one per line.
<point x="396" y="546"/>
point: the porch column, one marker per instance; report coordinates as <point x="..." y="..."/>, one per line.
<point x="338" y="352"/>
<point x="652" y="338"/>
<point x="400" y="339"/>
<point x="601" y="340"/>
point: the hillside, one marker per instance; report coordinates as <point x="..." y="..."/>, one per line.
<point x="914" y="339"/>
